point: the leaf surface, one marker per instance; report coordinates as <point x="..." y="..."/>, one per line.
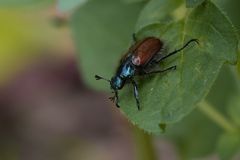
<point x="193" y="3"/>
<point x="166" y="98"/>
<point x="196" y="135"/>
<point x="103" y="35"/>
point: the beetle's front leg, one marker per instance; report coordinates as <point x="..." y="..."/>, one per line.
<point x="115" y="99"/>
<point x="135" y="91"/>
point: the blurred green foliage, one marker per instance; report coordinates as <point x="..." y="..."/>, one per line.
<point x="22" y="39"/>
<point x="193" y="3"/>
<point x="228" y="145"/>
<point x="234" y="109"/>
<point x="24" y="3"/>
<point x="15" y="41"/>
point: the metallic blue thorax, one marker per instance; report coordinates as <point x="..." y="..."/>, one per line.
<point x="124" y="72"/>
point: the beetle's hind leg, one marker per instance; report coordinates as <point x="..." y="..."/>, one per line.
<point x="115" y="99"/>
<point x="178" y="50"/>
<point x="159" y="71"/>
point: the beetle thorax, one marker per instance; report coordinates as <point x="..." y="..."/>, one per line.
<point x="127" y="69"/>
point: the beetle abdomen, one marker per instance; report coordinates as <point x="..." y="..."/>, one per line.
<point x="146" y="50"/>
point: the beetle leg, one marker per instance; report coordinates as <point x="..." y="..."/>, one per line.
<point x="135" y="91"/>
<point x="116" y="101"/>
<point x="160" y="71"/>
<point x="178" y="50"/>
<point x="112" y="99"/>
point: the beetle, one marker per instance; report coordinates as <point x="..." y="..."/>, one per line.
<point x="141" y="57"/>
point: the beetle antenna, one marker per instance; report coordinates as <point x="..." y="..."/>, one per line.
<point x="99" y="77"/>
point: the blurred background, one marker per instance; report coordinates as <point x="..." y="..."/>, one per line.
<point x="48" y="113"/>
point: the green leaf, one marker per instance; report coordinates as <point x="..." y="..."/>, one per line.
<point x="156" y="11"/>
<point x="224" y="89"/>
<point x="23" y="3"/>
<point x="102" y="31"/>
<point x="196" y="135"/>
<point x="228" y="145"/>
<point x="69" y="5"/>
<point x="134" y="1"/>
<point x="193" y="3"/>
<point x="167" y="98"/>
<point x="232" y="10"/>
<point x="234" y="109"/>
<point x="102" y="35"/>
<point x="238" y="66"/>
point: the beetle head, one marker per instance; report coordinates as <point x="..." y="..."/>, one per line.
<point x="116" y="83"/>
